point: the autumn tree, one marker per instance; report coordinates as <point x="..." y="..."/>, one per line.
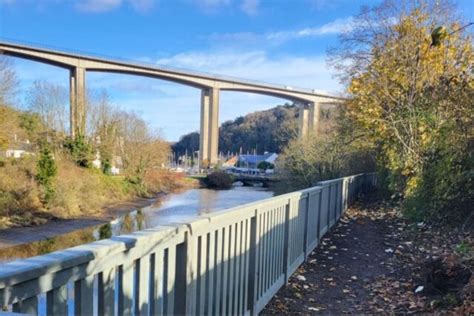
<point x="8" y="81"/>
<point x="141" y="150"/>
<point x="50" y="102"/>
<point x="409" y="71"/>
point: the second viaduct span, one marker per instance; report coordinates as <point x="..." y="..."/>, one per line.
<point x="79" y="64"/>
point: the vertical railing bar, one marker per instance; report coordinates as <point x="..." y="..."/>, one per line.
<point x="274" y="244"/>
<point x="225" y="267"/>
<point x="276" y="229"/>
<point x="211" y="271"/>
<point x="270" y="248"/>
<point x="230" y="277"/>
<point x="243" y="255"/>
<point x="273" y="247"/>
<point x="279" y="241"/>
<point x="106" y="293"/>
<point x="56" y="301"/>
<point x="252" y="264"/>
<point x="267" y="250"/>
<point x="218" y="275"/>
<point x="192" y="259"/>
<point x="286" y="244"/>
<point x="265" y="253"/>
<point x="26" y="306"/>
<point x="306" y="227"/>
<point x="126" y="288"/>
<point x="141" y="286"/>
<point x="260" y="254"/>
<point x="237" y="272"/>
<point x="203" y="273"/>
<point x="170" y="279"/>
<point x="158" y="283"/>
<point x="83" y="296"/>
<point x="282" y="239"/>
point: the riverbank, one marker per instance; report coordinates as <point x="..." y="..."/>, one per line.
<point x="169" y="208"/>
<point x="47" y="226"/>
<point x="15" y="236"/>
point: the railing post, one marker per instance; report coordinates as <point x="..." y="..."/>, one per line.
<point x="190" y="254"/>
<point x="286" y="256"/>
<point x="253" y="271"/>
<point x="305" y="236"/>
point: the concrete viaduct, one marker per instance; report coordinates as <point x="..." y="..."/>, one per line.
<point x="79" y="64"/>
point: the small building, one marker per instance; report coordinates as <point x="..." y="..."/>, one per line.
<point x="252" y="161"/>
<point x="18" y="150"/>
<point x="231" y="162"/>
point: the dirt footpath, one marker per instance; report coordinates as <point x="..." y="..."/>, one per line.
<point x="372" y="261"/>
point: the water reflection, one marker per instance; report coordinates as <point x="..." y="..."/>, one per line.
<point x="175" y="208"/>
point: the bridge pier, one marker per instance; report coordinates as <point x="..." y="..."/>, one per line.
<point x="77" y="86"/>
<point x="304" y="113"/>
<point x="209" y="132"/>
<point x="309" y="119"/>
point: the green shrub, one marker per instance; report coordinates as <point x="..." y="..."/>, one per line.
<point x="264" y="165"/>
<point x="46" y="171"/>
<point x="219" y="180"/>
<point x="445" y="188"/>
<point x="106" y="167"/>
<point x="105" y="231"/>
<point x="81" y="151"/>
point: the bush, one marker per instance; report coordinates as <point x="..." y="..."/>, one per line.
<point x="219" y="180"/>
<point x="445" y="188"/>
<point x="316" y="158"/>
<point x="264" y="165"/>
<point x="46" y="171"/>
<point x="80" y="151"/>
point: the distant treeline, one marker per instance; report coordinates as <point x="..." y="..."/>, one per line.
<point x="270" y="130"/>
<point x="261" y="131"/>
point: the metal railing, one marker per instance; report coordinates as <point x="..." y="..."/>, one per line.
<point x="230" y="262"/>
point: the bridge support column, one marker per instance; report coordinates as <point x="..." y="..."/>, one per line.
<point x="209" y="136"/>
<point x="309" y="119"/>
<point x="304" y="114"/>
<point x="77" y="86"/>
<point x="313" y="119"/>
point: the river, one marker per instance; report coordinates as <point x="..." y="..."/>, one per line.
<point x="173" y="208"/>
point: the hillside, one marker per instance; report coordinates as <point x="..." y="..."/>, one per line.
<point x="270" y="130"/>
<point x="45" y="175"/>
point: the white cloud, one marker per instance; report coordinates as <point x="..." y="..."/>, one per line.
<point x="142" y="6"/>
<point x="98" y="6"/>
<point x="101" y="6"/>
<point x="335" y="27"/>
<point x="277" y="38"/>
<point x="309" y="72"/>
<point x="250" y="7"/>
<point x="211" y="6"/>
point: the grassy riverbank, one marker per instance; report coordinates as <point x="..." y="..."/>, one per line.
<point x="78" y="192"/>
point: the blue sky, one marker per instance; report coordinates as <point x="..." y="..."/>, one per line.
<point x="278" y="41"/>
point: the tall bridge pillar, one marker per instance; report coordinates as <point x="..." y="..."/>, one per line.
<point x="309" y="118"/>
<point x="77" y="86"/>
<point x="209" y="132"/>
<point x="313" y="118"/>
<point x="304" y="113"/>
